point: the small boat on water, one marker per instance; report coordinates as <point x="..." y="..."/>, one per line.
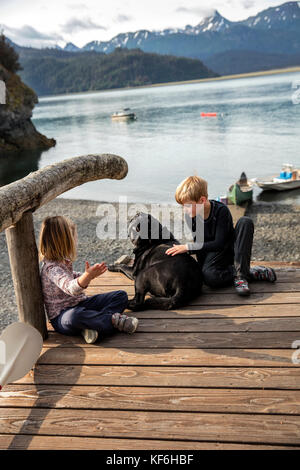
<point x="289" y="178"/>
<point x="124" y="115"/>
<point x="209" y="114"/>
<point x="241" y="191"/>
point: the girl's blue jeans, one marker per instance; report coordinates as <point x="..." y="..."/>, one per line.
<point x="93" y="313"/>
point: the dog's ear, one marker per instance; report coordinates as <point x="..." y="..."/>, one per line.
<point x="134" y="217"/>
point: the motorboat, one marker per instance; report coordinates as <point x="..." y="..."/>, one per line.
<point x="289" y="178"/>
<point x="125" y="115"/>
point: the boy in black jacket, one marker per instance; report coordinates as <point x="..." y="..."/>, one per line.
<point x="225" y="252"/>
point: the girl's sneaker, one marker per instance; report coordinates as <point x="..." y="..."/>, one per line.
<point x="261" y="273"/>
<point x="125" y="323"/>
<point x="241" y="287"/>
<point x="90" y="336"/>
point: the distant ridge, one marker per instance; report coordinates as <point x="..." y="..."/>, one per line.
<point x="52" y="72"/>
<point x="237" y="62"/>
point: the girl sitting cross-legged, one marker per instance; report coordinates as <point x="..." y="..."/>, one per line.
<point x="69" y="309"/>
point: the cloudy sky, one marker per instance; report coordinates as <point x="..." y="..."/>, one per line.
<point x="41" y="23"/>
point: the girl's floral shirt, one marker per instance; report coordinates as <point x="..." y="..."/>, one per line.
<point x="60" y="286"/>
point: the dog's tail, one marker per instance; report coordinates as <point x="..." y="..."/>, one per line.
<point x="166" y="303"/>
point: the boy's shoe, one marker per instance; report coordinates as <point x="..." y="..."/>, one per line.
<point x="241" y="287"/>
<point x="90" y="336"/>
<point x="262" y="273"/>
<point x="125" y="323"/>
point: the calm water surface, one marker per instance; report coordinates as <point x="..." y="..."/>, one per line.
<point x="257" y="130"/>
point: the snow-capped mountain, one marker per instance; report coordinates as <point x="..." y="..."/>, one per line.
<point x="214" y="23"/>
<point x="275" y="30"/>
<point x="70" y="47"/>
<point x="141" y="39"/>
<point x="129" y="40"/>
<point x="286" y="16"/>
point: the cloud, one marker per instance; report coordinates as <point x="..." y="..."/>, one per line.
<point x="248" y="4"/>
<point x="203" y="11"/>
<point x="28" y="32"/>
<point x="27" y="35"/>
<point x="74" y="25"/>
<point x="122" y="18"/>
<point x="77" y="6"/>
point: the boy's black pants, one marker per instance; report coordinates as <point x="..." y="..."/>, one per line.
<point x="220" y="268"/>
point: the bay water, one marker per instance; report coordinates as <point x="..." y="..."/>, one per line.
<point x="256" y="130"/>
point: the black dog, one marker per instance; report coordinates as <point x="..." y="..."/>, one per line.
<point x="172" y="281"/>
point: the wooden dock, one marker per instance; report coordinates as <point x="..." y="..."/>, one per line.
<point x="217" y="374"/>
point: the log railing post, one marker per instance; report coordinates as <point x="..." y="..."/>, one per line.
<point x="23" y="256"/>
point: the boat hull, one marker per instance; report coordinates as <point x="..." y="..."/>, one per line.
<point x="237" y="196"/>
<point x="284" y="186"/>
<point x="125" y="117"/>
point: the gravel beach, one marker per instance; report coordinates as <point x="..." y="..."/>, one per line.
<point x="276" y="239"/>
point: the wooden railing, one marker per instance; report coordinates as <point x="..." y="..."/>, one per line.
<point x="20" y="199"/>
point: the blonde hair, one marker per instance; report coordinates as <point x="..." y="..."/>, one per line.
<point x="191" y="189"/>
<point x="57" y="239"/>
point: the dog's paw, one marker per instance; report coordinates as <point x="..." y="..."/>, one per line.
<point x="113" y="267"/>
<point x="132" y="305"/>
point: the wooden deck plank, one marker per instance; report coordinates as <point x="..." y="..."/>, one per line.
<point x="35" y="442"/>
<point x="216" y="340"/>
<point x="225" y="325"/>
<point x="162" y="357"/>
<point x="155" y="376"/>
<point x="256" y="287"/>
<point x="239" y="428"/>
<point x="260" y="298"/>
<point x="219" y="325"/>
<point x="223" y="311"/>
<point x="151" y="398"/>
<point x="287" y="275"/>
<point x="196" y="324"/>
<point x="219" y="312"/>
<point x="220" y="299"/>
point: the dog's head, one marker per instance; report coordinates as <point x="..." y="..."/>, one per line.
<point x="145" y="230"/>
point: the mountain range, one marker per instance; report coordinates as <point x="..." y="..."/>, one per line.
<point x="269" y="40"/>
<point x="275" y="30"/>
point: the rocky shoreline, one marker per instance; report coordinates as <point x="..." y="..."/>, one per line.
<point x="17" y="131"/>
<point x="276" y="239"/>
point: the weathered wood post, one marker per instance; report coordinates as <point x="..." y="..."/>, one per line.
<point x="24" y="263"/>
<point x="17" y="202"/>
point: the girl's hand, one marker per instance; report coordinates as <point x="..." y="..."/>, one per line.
<point x="177" y="250"/>
<point x="96" y="270"/>
<point x="90" y="273"/>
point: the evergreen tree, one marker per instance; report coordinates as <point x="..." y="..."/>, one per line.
<point x="8" y="56"/>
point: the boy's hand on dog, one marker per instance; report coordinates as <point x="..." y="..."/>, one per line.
<point x="177" y="250"/>
<point x="96" y="270"/>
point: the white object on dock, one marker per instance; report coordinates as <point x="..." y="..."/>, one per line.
<point x="21" y="348"/>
